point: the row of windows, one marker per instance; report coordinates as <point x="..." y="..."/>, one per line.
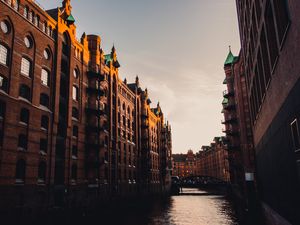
<point x="25" y="93"/>
<point x="42" y="169"/>
<point x="21" y="171"/>
<point x="23" y="144"/>
<point x="271" y="38"/>
<point x="31" y="16"/>
<point x="26" y="66"/>
<point x="24" y="116"/>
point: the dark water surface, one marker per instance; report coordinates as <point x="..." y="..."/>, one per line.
<point x="195" y="208"/>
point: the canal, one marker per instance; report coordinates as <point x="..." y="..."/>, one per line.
<point x="194" y="207"/>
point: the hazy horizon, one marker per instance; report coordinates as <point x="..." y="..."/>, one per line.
<point x="177" y="48"/>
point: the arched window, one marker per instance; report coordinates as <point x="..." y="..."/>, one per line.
<point x="20" y="171"/>
<point x="45" y="77"/>
<point x="44" y="27"/>
<point x="25" y="13"/>
<point x="128" y="111"/>
<point x="35" y="21"/>
<point x="43" y="145"/>
<point x="16" y="4"/>
<point x="75" y="131"/>
<point x="75" y="73"/>
<point x="74" y="151"/>
<point x="3" y="54"/>
<point x="44" y="100"/>
<point x="74" y="173"/>
<point x="75" y="113"/>
<point x="65" y="44"/>
<point x="42" y="172"/>
<point x="44" y="122"/>
<point x="25" y="92"/>
<point x="24" y="116"/>
<point x="22" y="141"/>
<point x="47" y="53"/>
<point x="124" y="107"/>
<point x="75" y="93"/>
<point x="25" y="67"/>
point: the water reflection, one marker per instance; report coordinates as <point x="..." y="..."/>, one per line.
<point x="195" y="208"/>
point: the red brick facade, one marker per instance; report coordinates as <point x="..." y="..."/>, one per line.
<point x="69" y="126"/>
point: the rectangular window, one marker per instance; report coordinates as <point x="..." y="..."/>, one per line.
<point x="282" y="17"/>
<point x="2" y="110"/>
<point x="25" y="67"/>
<point x="295" y="134"/>
<point x="43" y="145"/>
<point x="75" y="93"/>
<point x="45" y="77"/>
<point x="296" y="142"/>
<point x="261" y="74"/>
<point x="265" y="58"/>
<point x="3" y="55"/>
<point x="3" y="83"/>
<point x="271" y="35"/>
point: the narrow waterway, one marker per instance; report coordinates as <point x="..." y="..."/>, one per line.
<point x="194" y="207"/>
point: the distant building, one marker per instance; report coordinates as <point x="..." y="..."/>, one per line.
<point x="212" y="161"/>
<point x="184" y="165"/>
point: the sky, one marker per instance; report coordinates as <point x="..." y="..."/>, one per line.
<point x="177" y="48"/>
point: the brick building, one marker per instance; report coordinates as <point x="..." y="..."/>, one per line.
<point x="239" y="141"/>
<point x="212" y="161"/>
<point x="71" y="131"/>
<point x="184" y="165"/>
<point x="269" y="32"/>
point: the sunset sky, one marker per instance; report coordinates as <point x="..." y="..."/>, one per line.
<point x="177" y="47"/>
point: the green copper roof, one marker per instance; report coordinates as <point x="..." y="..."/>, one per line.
<point x="108" y="58"/>
<point x="71" y="18"/>
<point x="225" y="81"/>
<point x="230" y="59"/>
<point x="225" y="101"/>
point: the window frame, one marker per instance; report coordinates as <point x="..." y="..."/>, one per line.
<point x="26" y="66"/>
<point x="27" y="89"/>
<point x="45" y="72"/>
<point x="4" y="53"/>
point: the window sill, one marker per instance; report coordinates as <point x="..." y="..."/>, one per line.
<point x="45" y="85"/>
<point x="43" y="153"/>
<point x="44" y="129"/>
<point x="27" y="76"/>
<point x="24" y="99"/>
<point x="45" y="108"/>
<point x="73" y="182"/>
<point x="41" y="182"/>
<point x="20" y="149"/>
<point x="19" y="182"/>
<point x="23" y="124"/>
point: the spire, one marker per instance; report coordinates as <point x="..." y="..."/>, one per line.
<point x="137" y="81"/>
<point x="230" y="58"/>
<point x="67" y="6"/>
<point x="125" y="81"/>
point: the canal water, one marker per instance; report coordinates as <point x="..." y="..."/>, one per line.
<point x="194" y="207"/>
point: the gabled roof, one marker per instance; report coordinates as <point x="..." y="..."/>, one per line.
<point x="230" y="59"/>
<point x="70" y="19"/>
<point x="225" y="101"/>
